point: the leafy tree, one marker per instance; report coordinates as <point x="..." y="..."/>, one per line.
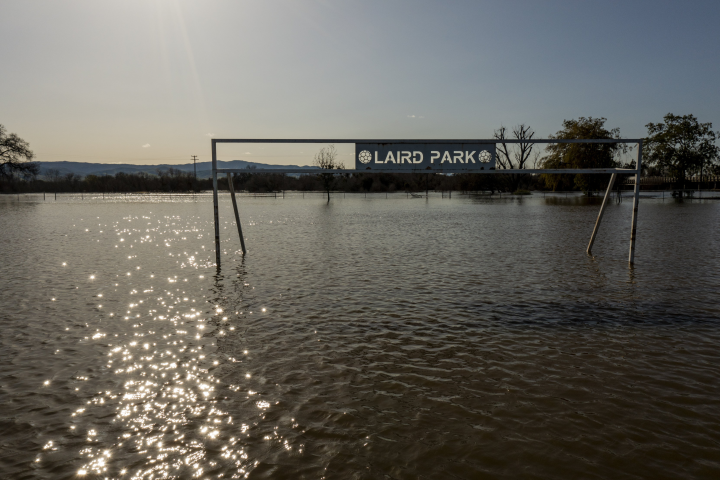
<point x="15" y="156"/>
<point x="326" y="159"/>
<point x="582" y="155"/>
<point x="680" y="145"/>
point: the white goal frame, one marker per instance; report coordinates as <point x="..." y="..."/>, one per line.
<point x="314" y="171"/>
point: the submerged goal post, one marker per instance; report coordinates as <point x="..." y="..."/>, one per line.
<point x="428" y="156"/>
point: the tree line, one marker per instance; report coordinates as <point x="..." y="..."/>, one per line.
<point x="175" y="181"/>
<point x="677" y="147"/>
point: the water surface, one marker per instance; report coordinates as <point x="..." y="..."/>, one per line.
<point x="364" y="338"/>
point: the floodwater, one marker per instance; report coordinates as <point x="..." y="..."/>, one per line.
<point x="365" y="338"/>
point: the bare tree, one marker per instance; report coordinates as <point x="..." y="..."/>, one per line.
<point x="518" y="155"/>
<point x="326" y="159"/>
<point x="53" y="174"/>
<point x="15" y="156"/>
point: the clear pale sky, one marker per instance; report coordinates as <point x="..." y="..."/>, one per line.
<point x="148" y="81"/>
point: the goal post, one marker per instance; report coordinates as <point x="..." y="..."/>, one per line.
<point x="429" y="156"/>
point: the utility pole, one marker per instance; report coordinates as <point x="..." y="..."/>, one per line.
<point x="194" y="157"/>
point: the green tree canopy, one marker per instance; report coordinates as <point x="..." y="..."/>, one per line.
<point x="681" y="145"/>
<point x="582" y="155"/>
<point x="15" y="156"/>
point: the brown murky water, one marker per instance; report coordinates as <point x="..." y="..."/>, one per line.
<point x="367" y="338"/>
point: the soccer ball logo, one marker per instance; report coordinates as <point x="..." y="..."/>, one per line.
<point x="365" y="156"/>
<point x="485" y="156"/>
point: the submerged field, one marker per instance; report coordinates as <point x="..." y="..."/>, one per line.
<point x="365" y="338"/>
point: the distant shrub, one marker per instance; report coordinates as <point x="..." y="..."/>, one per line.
<point x="522" y="192"/>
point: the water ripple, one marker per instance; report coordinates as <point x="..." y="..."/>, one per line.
<point x="366" y="338"/>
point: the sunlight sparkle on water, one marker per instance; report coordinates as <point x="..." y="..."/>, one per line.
<point x="162" y="383"/>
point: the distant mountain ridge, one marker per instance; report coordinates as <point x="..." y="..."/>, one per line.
<point x="204" y="169"/>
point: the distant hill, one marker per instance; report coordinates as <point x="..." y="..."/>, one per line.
<point x="204" y="169"/>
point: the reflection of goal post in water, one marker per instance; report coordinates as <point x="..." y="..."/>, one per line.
<point x="427" y="156"/>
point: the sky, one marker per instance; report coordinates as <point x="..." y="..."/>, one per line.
<point x="152" y="81"/>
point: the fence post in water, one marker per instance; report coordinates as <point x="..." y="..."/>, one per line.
<point x="602" y="211"/>
<point x="636" y="201"/>
<point x="215" y="204"/>
<point x="237" y="215"/>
